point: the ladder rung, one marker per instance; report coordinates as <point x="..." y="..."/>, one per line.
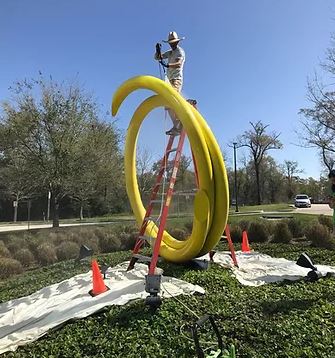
<point x="155" y="201"/>
<point x="142" y="258"/>
<point x="148" y="218"/>
<point x="172" y="150"/>
<point x="175" y="134"/>
<point x="146" y="238"/>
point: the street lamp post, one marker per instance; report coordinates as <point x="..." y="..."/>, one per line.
<point x="235" y="178"/>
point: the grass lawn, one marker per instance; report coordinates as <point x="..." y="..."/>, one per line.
<point x="235" y="218"/>
<point x="277" y="320"/>
<point x="265" y="207"/>
<point x="128" y="217"/>
<point x="124" y="217"/>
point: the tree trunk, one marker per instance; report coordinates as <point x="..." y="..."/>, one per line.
<point x="81" y="212"/>
<point x="55" y="206"/>
<point x="259" y="201"/>
<point x="15" y="214"/>
<point x="273" y="193"/>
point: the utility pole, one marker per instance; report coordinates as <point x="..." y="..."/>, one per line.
<point x="235" y="178"/>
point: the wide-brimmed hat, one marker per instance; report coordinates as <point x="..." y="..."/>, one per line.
<point x="173" y="37"/>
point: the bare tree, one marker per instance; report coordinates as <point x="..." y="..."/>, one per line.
<point x="144" y="161"/>
<point x="319" y="122"/>
<point x="259" y="143"/>
<point x="291" y="171"/>
<point x="14" y="177"/>
<point x="272" y="178"/>
<point x="185" y="177"/>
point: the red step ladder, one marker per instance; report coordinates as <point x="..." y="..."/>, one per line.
<point x="153" y="279"/>
<point x="141" y="239"/>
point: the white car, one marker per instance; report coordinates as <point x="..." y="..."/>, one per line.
<point x="302" y="201"/>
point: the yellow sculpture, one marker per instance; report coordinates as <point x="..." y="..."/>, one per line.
<point x="211" y="202"/>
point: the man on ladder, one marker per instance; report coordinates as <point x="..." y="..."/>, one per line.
<point x="176" y="58"/>
<point x="175" y="63"/>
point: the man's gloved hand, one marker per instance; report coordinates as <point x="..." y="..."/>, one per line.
<point x="164" y="64"/>
<point x="158" y="51"/>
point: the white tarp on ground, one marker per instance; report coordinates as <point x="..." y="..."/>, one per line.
<point x="257" y="269"/>
<point x="26" y="319"/>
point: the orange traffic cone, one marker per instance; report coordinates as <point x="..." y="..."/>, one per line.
<point x="98" y="283"/>
<point x="245" y="242"/>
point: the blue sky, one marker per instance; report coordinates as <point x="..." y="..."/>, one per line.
<point x="246" y="60"/>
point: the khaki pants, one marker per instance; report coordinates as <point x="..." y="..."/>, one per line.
<point x="177" y="85"/>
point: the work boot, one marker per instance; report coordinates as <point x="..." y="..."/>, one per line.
<point x="173" y="131"/>
<point x="179" y="127"/>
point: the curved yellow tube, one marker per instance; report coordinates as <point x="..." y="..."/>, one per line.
<point x="211" y="200"/>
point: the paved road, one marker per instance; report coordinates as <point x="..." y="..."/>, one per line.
<point x="19" y="227"/>
<point x="316" y="209"/>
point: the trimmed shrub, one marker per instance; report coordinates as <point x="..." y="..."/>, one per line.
<point x="9" y="267"/>
<point x="320" y="236"/>
<point x="326" y="221"/>
<point x="109" y="243"/>
<point x="88" y="238"/>
<point x="70" y="234"/>
<point x="178" y="234"/>
<point x="78" y="240"/>
<point x="189" y="226"/>
<point x="46" y="254"/>
<point x="244" y="225"/>
<point x="127" y="241"/>
<point x="25" y="257"/>
<point x="34" y="242"/>
<point x="270" y="225"/>
<point x="57" y="238"/>
<point x="4" y="252"/>
<point x="236" y="233"/>
<point x="295" y="227"/>
<point x="93" y="244"/>
<point x="117" y="229"/>
<point x="16" y="243"/>
<point x="101" y="232"/>
<point x="80" y="237"/>
<point x="49" y="236"/>
<point x="282" y="233"/>
<point x="130" y="229"/>
<point x="258" y="232"/>
<point x="67" y="250"/>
